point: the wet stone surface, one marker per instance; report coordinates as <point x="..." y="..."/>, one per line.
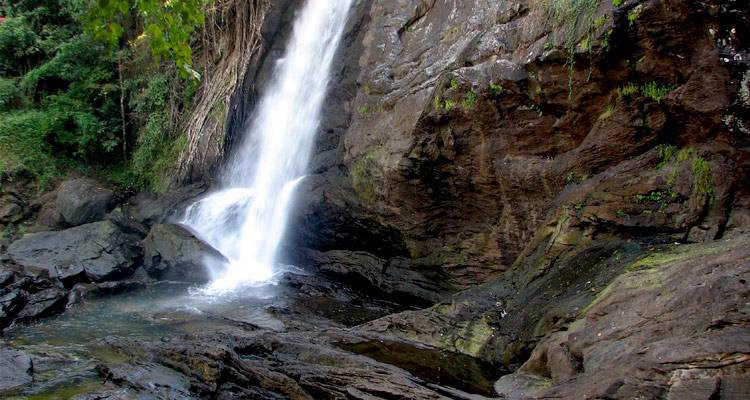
<point x="285" y="340"/>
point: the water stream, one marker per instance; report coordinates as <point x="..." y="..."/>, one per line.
<point x="246" y="216"/>
<point x="66" y="347"/>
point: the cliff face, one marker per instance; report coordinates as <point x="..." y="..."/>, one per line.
<point x="550" y="156"/>
<point x="533" y="152"/>
<point x="465" y="136"/>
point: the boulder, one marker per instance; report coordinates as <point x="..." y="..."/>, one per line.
<point x="12" y="210"/>
<point x="397" y="279"/>
<point x="95" y="252"/>
<point x="174" y="253"/>
<point x="82" y="201"/>
<point x="151" y="209"/>
<point x="26" y="297"/>
<point x="16" y="369"/>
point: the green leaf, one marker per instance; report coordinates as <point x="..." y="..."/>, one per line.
<point x="116" y="30"/>
<point x="124" y="7"/>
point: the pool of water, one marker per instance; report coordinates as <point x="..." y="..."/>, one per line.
<point x="66" y="348"/>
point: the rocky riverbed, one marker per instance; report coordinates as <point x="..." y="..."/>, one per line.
<point x="629" y="319"/>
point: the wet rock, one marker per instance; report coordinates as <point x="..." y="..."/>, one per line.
<point x="367" y="272"/>
<point x="93" y="252"/>
<point x="42" y="302"/>
<point x="149" y="378"/>
<point x="327" y="223"/>
<point x="621" y="338"/>
<point x="552" y="360"/>
<point x="499" y="321"/>
<point x="127" y="222"/>
<point x="697" y="384"/>
<point x="11" y="303"/>
<point x="174" y="253"/>
<point x="520" y="386"/>
<point x="469" y="122"/>
<point x="7" y="276"/>
<point x="16" y="369"/>
<point x="150" y="209"/>
<point x="267" y="365"/>
<point x="86" y="291"/>
<point x="29" y="297"/>
<point x="82" y="201"/>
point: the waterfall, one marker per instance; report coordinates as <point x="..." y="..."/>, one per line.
<point x="245" y="217"/>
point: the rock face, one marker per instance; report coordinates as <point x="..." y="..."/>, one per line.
<point x="171" y="252"/>
<point x="223" y="366"/>
<point x="395" y="279"/>
<point x="618" y="348"/>
<point x="535" y="153"/>
<point x="474" y="126"/>
<point x="27" y="297"/>
<point x="92" y="252"/>
<point x="82" y="201"/>
<point x="15" y="369"/>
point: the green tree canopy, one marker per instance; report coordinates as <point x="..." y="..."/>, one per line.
<point x="166" y="24"/>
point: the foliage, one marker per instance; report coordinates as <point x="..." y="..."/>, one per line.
<point x="19" y="46"/>
<point x="9" y="94"/>
<point x="23" y="144"/>
<point x="61" y="93"/>
<point x="153" y="104"/>
<point x="666" y="153"/>
<point x="498" y="88"/>
<point x="702" y="180"/>
<point x="702" y="176"/>
<point x="567" y="13"/>
<point x="655" y="91"/>
<point x="168" y="26"/>
<point x="651" y="90"/>
<point x="628" y="89"/>
<point x="635" y="14"/>
<point x="57" y="90"/>
<point x="608" y="112"/>
<point x="470" y="100"/>
<point x="536" y="109"/>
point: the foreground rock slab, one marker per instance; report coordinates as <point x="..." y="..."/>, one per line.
<point x="94" y="252"/>
<point x="15" y="369"/>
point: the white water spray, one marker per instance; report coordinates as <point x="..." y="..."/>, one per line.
<point x="245" y="219"/>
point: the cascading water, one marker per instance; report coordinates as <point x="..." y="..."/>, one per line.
<point x="245" y="219"/>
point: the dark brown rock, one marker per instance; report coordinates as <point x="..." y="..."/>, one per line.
<point x="150" y="208"/>
<point x="470" y="179"/>
<point x="261" y="365"/>
<point x="646" y="335"/>
<point x="396" y="279"/>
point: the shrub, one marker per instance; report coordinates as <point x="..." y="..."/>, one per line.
<point x="24" y="145"/>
